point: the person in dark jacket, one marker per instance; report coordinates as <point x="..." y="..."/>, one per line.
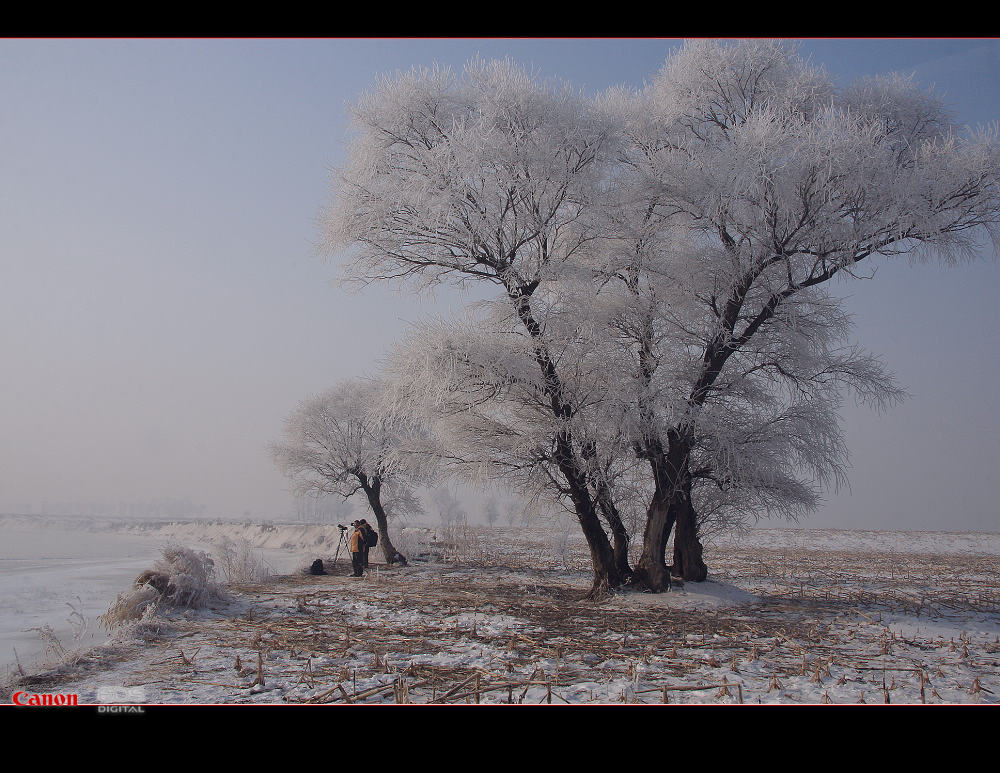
<point x="357" y="545"/>
<point x="366" y="531"/>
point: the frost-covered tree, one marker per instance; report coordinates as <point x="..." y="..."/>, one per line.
<point x="662" y="256"/>
<point x="492" y="511"/>
<point x="338" y="443"/>
<point x="484" y="176"/>
<point x="764" y="441"/>
<point x="771" y="183"/>
<point x="448" y="506"/>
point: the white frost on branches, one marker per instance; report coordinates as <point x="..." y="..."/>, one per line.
<point x="338" y="443"/>
<point x="661" y="257"/>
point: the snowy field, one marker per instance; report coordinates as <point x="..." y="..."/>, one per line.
<point x="494" y="616"/>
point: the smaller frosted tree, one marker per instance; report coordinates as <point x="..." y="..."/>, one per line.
<point x="492" y="512"/>
<point x="337" y="443"/>
<point x="449" y="508"/>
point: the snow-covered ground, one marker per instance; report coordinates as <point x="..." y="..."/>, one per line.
<point x="496" y="616"/>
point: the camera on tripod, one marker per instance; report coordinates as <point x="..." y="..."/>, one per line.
<point x="341" y="527"/>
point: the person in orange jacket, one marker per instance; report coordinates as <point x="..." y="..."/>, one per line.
<point x="357" y="545"/>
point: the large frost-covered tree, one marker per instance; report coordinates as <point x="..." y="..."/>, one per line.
<point x="489" y="176"/>
<point x="779" y="183"/>
<point x="663" y="257"/>
<point x="337" y="443"/>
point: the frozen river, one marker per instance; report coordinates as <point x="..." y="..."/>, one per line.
<point x="62" y="580"/>
<point x="66" y="578"/>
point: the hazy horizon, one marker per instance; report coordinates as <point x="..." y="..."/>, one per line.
<point x="164" y="307"/>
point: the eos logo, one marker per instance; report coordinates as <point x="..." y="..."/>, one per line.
<point x="44" y="699"/>
<point x="110" y="694"/>
<point x="121" y="695"/>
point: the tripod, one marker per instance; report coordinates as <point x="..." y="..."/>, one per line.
<point x="342" y="543"/>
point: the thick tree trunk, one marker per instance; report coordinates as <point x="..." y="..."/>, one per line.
<point x="620" y="552"/>
<point x="606" y="575"/>
<point x="570" y="464"/>
<point x="373" y="489"/>
<point x="668" y="465"/>
<point x="688" y="562"/>
<point x="618" y="532"/>
<point x="651" y="572"/>
<point x="670" y="508"/>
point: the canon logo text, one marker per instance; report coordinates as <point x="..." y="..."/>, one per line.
<point x="44" y="699"/>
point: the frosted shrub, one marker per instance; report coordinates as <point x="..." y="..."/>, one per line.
<point x="181" y="578"/>
<point x="559" y="548"/>
<point x="55" y="653"/>
<point x="191" y="576"/>
<point x="419" y="543"/>
<point x="459" y="542"/>
<point x="240" y="563"/>
<point x="130" y="606"/>
<point x="145" y="627"/>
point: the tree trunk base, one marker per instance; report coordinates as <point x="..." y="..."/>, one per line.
<point x="688" y="561"/>
<point x="688" y="564"/>
<point x="597" y="592"/>
<point x="650" y="582"/>
<point x="602" y="587"/>
<point x="398" y="558"/>
<point x="693" y="572"/>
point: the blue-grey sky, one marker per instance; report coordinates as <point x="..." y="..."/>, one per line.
<point x="163" y="307"/>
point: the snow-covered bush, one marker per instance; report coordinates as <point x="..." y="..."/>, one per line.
<point x="182" y="578"/>
<point x="146" y="627"/>
<point x="419" y="543"/>
<point x="240" y="563"/>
